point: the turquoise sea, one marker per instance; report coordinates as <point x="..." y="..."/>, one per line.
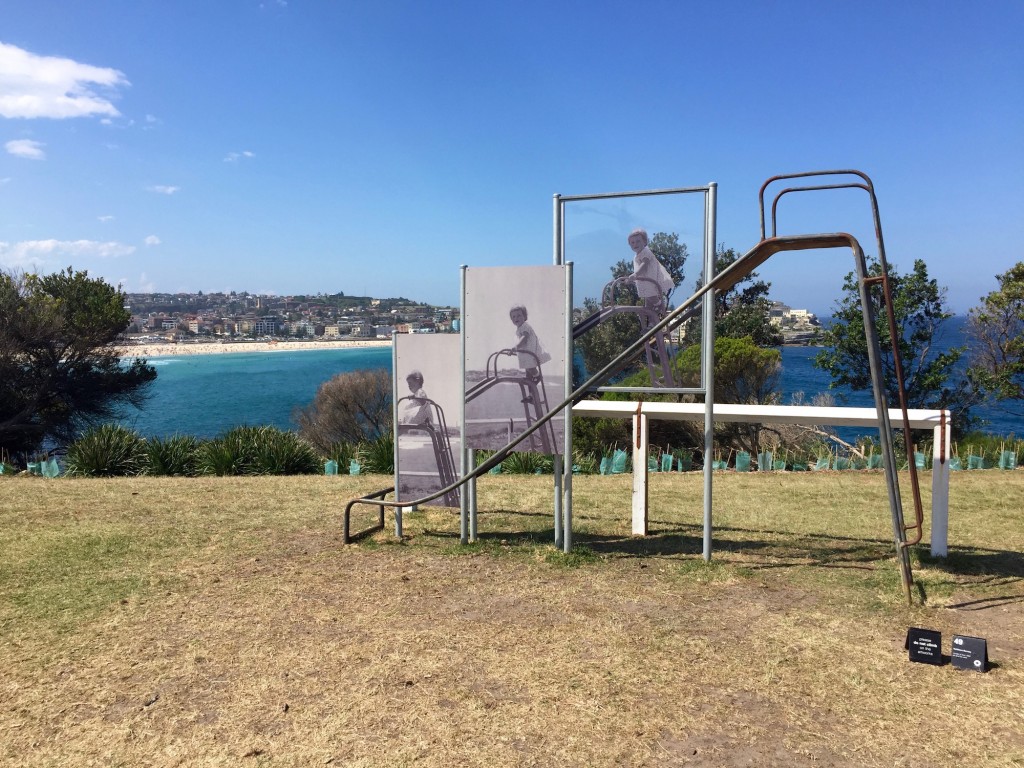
<point x="205" y="395"/>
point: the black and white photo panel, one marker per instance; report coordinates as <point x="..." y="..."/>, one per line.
<point x="515" y="326"/>
<point x="428" y="391"/>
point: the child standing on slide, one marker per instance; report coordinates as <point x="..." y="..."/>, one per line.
<point x="527" y="342"/>
<point x="416" y="407"/>
<point x="650" y="277"/>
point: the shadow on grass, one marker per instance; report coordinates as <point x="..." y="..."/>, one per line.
<point x="976" y="561"/>
<point x="784" y="548"/>
<point x="774" y="548"/>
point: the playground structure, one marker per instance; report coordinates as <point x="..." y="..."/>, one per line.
<point x="702" y="300"/>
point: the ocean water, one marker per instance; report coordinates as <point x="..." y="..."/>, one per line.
<point x="206" y="395"/>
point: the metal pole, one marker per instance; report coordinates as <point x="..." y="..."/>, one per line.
<point x="394" y="420"/>
<point x="708" y="356"/>
<point x="567" y="415"/>
<point x="463" y="463"/>
<point x="472" y="496"/>
<point x="556" y="257"/>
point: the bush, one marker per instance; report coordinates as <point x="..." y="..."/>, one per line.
<point x="343" y="453"/>
<point x="585" y="463"/>
<point x="527" y="464"/>
<point x="377" y="456"/>
<point x="107" y="451"/>
<point x="351" y="407"/>
<point x="176" y="456"/>
<point x="284" y="453"/>
<point x="258" y="451"/>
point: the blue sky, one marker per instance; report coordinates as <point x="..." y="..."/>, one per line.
<point x="299" y="147"/>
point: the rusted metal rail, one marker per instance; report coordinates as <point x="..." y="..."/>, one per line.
<point x="868" y="309"/>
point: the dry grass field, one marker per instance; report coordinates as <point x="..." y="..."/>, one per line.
<point x="220" y="621"/>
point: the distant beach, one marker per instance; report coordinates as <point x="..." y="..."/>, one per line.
<point x="149" y="350"/>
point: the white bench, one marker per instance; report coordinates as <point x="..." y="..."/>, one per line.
<point x="641" y="413"/>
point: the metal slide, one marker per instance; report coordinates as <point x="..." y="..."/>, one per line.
<point x="739" y="269"/>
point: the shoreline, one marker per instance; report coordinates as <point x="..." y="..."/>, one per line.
<point x="219" y="348"/>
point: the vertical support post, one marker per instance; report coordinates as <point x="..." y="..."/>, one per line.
<point x="463" y="459"/>
<point x="556" y="470"/>
<point x="641" y="423"/>
<point x="708" y="355"/>
<point x="556" y="257"/>
<point x="394" y="420"/>
<point x="471" y="490"/>
<point x="567" y="434"/>
<point x="940" y="487"/>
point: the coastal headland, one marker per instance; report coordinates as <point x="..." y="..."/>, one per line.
<point x="148" y="350"/>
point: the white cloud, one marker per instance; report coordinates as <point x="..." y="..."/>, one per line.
<point x="105" y="219"/>
<point x="234" y="157"/>
<point x="34" y="86"/>
<point x="33" y="150"/>
<point x="33" y="253"/>
<point x="163" y="189"/>
<point x="152" y="240"/>
<point x="5" y="180"/>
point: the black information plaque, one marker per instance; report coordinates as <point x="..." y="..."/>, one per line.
<point x="925" y="645"/>
<point x="970" y="653"/>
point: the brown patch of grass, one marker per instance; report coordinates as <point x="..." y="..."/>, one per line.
<point x="208" y="621"/>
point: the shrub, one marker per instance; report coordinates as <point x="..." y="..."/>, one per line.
<point x="220" y="456"/>
<point x="283" y="453"/>
<point x="351" y="407"/>
<point x="343" y="453"/>
<point x="258" y="451"/>
<point x="107" y="451"/>
<point x="174" y="456"/>
<point x="585" y="463"/>
<point x="526" y="464"/>
<point x="377" y="456"/>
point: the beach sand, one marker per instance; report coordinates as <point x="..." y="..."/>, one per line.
<point x="149" y="350"/>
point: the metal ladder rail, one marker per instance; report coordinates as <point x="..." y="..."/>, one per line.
<point x="901" y="528"/>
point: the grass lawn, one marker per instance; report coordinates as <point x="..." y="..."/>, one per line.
<point x="211" y="621"/>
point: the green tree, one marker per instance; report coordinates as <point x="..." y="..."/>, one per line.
<point x="601" y="344"/>
<point x="919" y="308"/>
<point x="744" y="373"/>
<point x="743" y="310"/>
<point x="59" y="369"/>
<point x="996" y="333"/>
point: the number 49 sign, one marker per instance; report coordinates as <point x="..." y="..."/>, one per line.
<point x="969" y="653"/>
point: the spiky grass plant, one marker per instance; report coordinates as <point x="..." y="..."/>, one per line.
<point x="526" y="464"/>
<point x="377" y="456"/>
<point x="258" y="451"/>
<point x="108" y="450"/>
<point x="175" y="456"/>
